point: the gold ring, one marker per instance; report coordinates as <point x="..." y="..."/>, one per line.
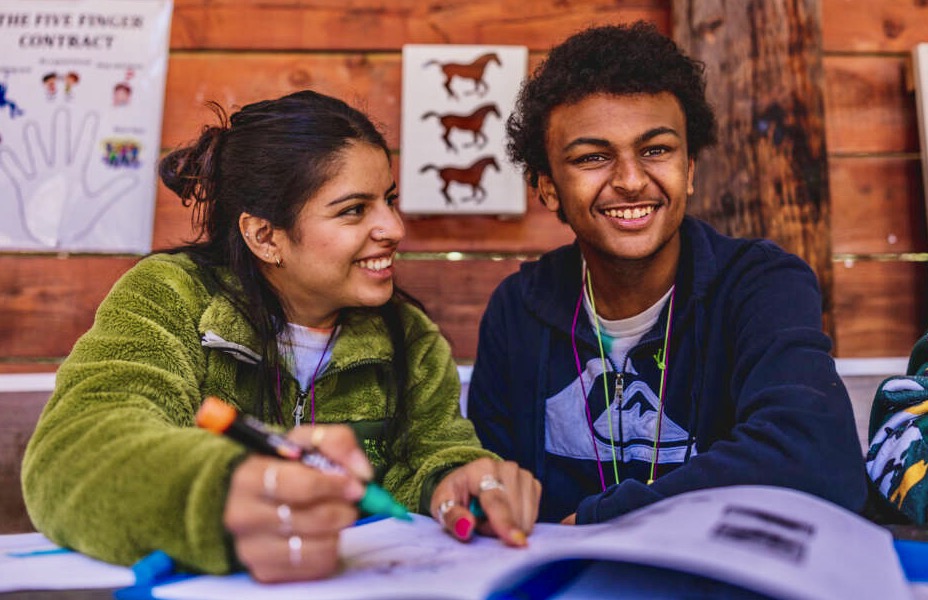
<point x="489" y="482"/>
<point x="315" y="438"/>
<point x="295" y="543"/>
<point x="286" y="519"/>
<point x="270" y="481"/>
<point x="443" y="509"/>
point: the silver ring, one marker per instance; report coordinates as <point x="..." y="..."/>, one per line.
<point x="489" y="482"/>
<point x="286" y="519"/>
<point x="295" y="543"/>
<point x="443" y="509"/>
<point x="270" y="481"/>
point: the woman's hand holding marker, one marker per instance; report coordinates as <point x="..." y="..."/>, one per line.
<point x="506" y="495"/>
<point x="285" y="518"/>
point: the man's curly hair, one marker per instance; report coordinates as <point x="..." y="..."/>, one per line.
<point x="613" y="59"/>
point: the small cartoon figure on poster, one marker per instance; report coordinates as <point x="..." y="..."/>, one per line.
<point x="70" y="80"/>
<point x="122" y="153"/>
<point x="122" y="93"/>
<point x="50" y="81"/>
<point x="15" y="110"/>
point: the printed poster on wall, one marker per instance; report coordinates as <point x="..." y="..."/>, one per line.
<point x="81" y="103"/>
<point x="456" y="99"/>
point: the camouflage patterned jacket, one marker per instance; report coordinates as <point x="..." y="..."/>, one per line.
<point x="897" y="460"/>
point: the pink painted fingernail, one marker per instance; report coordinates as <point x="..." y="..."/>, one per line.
<point x="463" y="528"/>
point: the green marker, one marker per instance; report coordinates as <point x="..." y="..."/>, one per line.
<point x="476" y="509"/>
<point x="219" y="417"/>
<point x="378" y="501"/>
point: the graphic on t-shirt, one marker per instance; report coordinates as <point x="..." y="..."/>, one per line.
<point x="627" y="426"/>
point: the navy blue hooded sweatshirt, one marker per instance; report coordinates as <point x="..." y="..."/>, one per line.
<point x="751" y="393"/>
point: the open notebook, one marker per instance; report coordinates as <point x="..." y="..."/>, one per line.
<point x="737" y="542"/>
<point x="753" y="541"/>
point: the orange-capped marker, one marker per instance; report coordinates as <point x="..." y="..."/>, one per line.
<point x="220" y="417"/>
<point x="215" y="415"/>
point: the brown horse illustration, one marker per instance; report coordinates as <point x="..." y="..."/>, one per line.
<point x="467" y="176"/>
<point x="472" y="123"/>
<point x="473" y="71"/>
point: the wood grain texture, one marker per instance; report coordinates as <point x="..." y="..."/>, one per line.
<point x="534" y="232"/>
<point x="47" y="302"/>
<point x="867" y="105"/>
<point x="20" y="414"/>
<point x="879" y="307"/>
<point x="874" y="26"/>
<point x="50" y="309"/>
<point x="455" y="295"/>
<point x="13" y="366"/>
<point x="370" y="82"/>
<point x="877" y="205"/>
<point x="378" y="25"/>
<point x="768" y="175"/>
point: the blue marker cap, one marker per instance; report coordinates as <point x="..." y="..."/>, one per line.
<point x="153" y="568"/>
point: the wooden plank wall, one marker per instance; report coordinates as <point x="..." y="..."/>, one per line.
<point x="877" y="200"/>
<point x="767" y="176"/>
<point x="218" y="51"/>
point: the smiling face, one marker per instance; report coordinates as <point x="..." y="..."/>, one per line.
<point x="621" y="175"/>
<point x="341" y="251"/>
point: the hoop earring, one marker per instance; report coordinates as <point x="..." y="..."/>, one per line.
<point x="279" y="263"/>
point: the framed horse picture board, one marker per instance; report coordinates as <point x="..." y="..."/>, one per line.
<point x="456" y="100"/>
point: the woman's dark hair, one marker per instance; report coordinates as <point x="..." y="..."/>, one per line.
<point x="267" y="160"/>
<point x="613" y="59"/>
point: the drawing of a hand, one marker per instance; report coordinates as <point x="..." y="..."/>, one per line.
<point x="57" y="202"/>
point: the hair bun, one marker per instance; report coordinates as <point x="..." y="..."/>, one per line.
<point x="190" y="171"/>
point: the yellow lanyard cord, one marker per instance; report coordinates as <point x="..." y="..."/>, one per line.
<point x="662" y="359"/>
<point x="602" y="358"/>
<point x="662" y="363"/>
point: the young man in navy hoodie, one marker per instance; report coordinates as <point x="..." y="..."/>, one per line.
<point x="653" y="356"/>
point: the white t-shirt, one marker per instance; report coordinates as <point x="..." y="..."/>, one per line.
<point x="621" y="335"/>
<point x="306" y="351"/>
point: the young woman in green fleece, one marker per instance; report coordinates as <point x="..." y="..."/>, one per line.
<point x="284" y="307"/>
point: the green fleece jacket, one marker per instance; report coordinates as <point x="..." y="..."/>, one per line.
<point x="117" y="468"/>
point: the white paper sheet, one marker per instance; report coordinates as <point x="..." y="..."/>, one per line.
<point x="29" y="561"/>
<point x="775" y="541"/>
